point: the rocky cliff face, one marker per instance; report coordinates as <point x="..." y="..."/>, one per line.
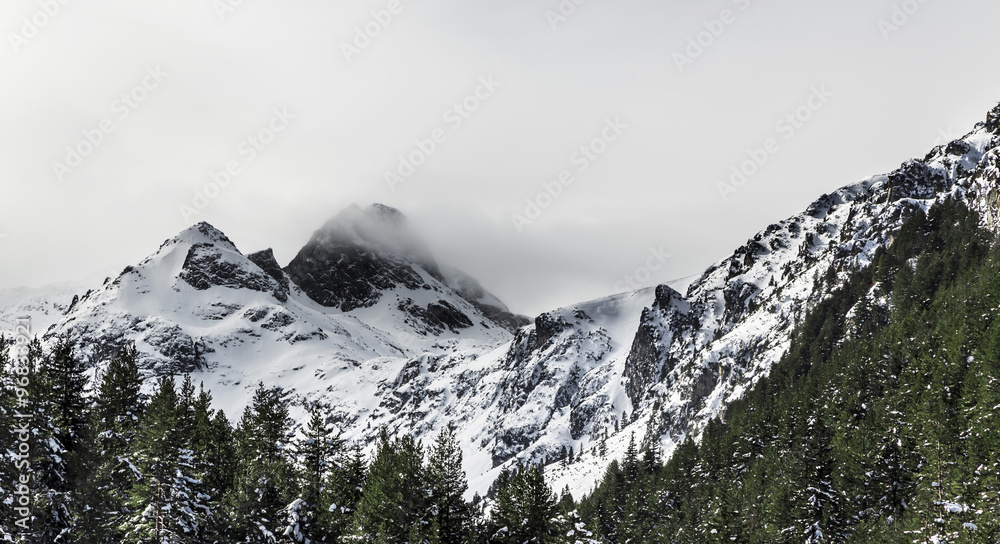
<point x="693" y="354"/>
<point x="359" y="255"/>
<point x="742" y="309"/>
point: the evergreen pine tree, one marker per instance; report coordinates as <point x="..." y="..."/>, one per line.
<point x="220" y="455"/>
<point x="317" y="450"/>
<point x="394" y="498"/>
<point x="118" y="407"/>
<point x="524" y="506"/>
<point x="447" y="483"/>
<point x="264" y="483"/>
<point x="819" y="507"/>
<point x="166" y="502"/>
<point x="61" y="413"/>
<point x="211" y="443"/>
<point x="345" y="482"/>
<point x="630" y="464"/>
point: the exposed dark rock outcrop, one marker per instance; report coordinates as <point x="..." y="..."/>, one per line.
<point x="266" y="261"/>
<point x="206" y="266"/>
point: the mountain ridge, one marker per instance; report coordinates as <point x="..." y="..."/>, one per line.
<point x="410" y="345"/>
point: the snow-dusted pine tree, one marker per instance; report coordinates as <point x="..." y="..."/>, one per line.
<point x="167" y="503"/>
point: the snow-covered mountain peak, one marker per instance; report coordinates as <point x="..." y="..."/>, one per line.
<point x="202" y="233"/>
<point x="359" y="255"/>
<point x="198" y="304"/>
<point x="377" y="228"/>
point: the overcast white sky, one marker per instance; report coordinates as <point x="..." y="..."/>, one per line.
<point x="655" y="186"/>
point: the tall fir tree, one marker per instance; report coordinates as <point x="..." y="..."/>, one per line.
<point x="343" y="489"/>
<point x="166" y="502"/>
<point x="265" y="477"/>
<point x="525" y="504"/>
<point x="118" y="407"/>
<point x="61" y="412"/>
<point x="394" y="499"/>
<point x="319" y="447"/>
<point x="447" y="483"/>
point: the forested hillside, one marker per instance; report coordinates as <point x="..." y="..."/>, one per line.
<point x="879" y="425"/>
<point x="113" y="465"/>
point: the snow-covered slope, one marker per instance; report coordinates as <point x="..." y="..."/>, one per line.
<point x="198" y="305"/>
<point x="684" y="368"/>
<point x="364" y="319"/>
<point x="692" y="355"/>
<point x="45" y="305"/>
